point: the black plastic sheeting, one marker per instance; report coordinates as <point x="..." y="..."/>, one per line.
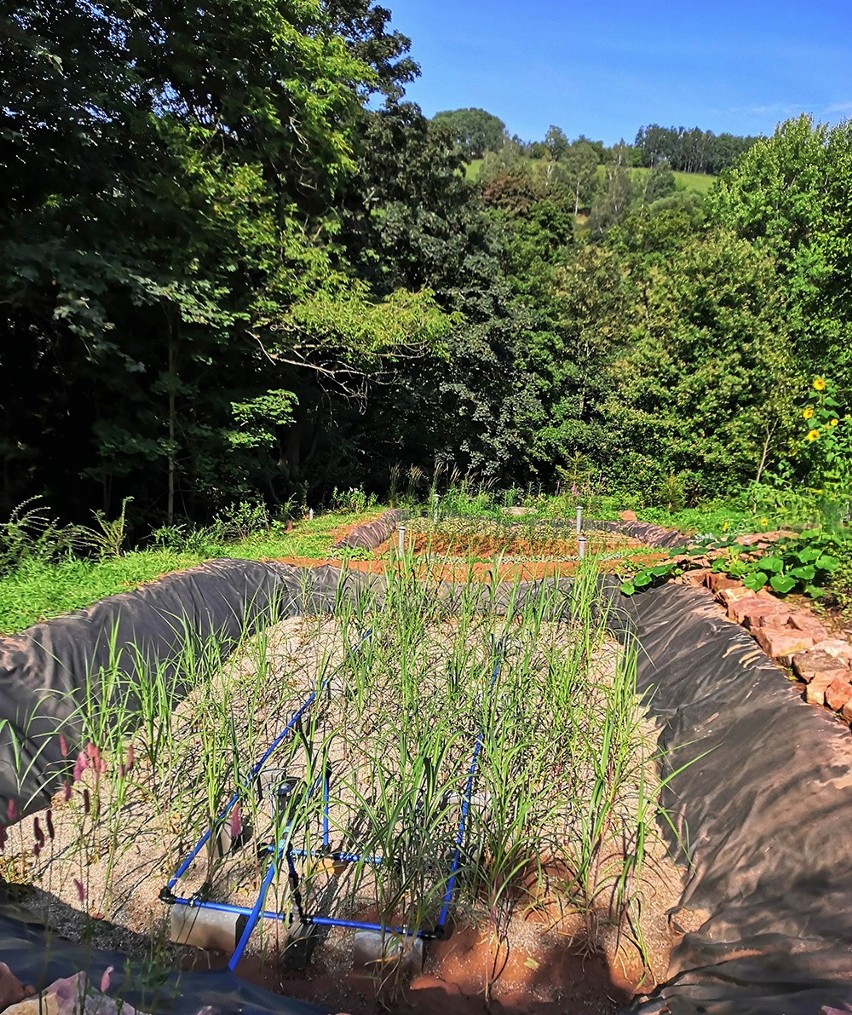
<point x="654" y="535"/>
<point x="38" y="958"/>
<point x="369" y="535"/>
<point x="45" y="669"/>
<point x="764" y="808"/>
<point x="763" y="804"/>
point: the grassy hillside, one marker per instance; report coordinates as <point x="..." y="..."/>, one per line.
<point x="700" y="183"/>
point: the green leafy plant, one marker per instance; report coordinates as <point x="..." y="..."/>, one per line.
<point x="802" y="564"/>
<point x="826" y="448"/>
<point x="107" y="538"/>
<point x="650" y="577"/>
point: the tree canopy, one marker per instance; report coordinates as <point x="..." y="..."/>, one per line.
<point x="236" y="264"/>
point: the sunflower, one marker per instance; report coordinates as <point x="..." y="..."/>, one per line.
<point x="812" y="435"/>
<point x="808" y="413"/>
<point x="819" y="384"/>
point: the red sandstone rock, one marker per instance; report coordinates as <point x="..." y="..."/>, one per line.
<point x="837" y="648"/>
<point x="817" y="663"/>
<point x="695" y="577"/>
<point x="846" y="712"/>
<point x="752" y="617"/>
<point x="815" y="692"/>
<point x="782" y="644"/>
<point x="739" y="609"/>
<point x="735" y="594"/>
<point x="802" y="620"/>
<point x="779" y="619"/>
<point x="838" y="693"/>
<point x="718" y="581"/>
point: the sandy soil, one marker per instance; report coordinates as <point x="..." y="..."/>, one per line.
<point x="94" y="870"/>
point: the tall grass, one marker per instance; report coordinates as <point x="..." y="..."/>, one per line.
<point x="561" y="800"/>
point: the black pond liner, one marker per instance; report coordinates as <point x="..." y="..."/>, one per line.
<point x="763" y="805"/>
<point x="369" y="535"/>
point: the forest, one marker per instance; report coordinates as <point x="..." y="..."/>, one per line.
<point x="237" y="264"/>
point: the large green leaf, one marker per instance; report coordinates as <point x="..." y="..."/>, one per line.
<point x="806" y="573"/>
<point x="783" y="583"/>
<point x="772" y="565"/>
<point x="756" y="580"/>
<point x="826" y="562"/>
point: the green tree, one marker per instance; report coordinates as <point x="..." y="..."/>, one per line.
<point x="789" y="195"/>
<point x="703" y="388"/>
<point x="580" y="163"/>
<point x="475" y="130"/>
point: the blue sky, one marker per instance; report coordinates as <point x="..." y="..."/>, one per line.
<point x="605" y="67"/>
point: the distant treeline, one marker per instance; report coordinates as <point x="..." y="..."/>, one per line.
<point x="686" y="150"/>
<point x="690" y="151"/>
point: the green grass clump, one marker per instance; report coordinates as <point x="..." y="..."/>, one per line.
<point x="36" y="590"/>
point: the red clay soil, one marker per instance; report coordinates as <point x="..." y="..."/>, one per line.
<point x="522" y="570"/>
<point x="560" y="980"/>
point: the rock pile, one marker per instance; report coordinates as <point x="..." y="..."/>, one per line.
<point x="790" y="634"/>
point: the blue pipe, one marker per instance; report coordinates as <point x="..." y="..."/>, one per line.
<point x="309" y="854"/>
<point x="331" y="921"/>
<point x="196" y="849"/>
<point x="256" y="913"/>
<point x="468" y="792"/>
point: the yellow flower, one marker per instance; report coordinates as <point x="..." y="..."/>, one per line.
<point x="808" y="413"/>
<point x="764" y="521"/>
<point x="834" y="422"/>
<point x="819" y="384"/>
<point x="812" y="435"/>
<point x="724" y="526"/>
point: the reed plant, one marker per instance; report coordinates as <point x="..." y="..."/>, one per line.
<point x="423" y="692"/>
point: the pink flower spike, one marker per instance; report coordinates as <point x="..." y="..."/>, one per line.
<point x="236" y="822"/>
<point x="81" y="891"/>
<point x="63" y="745"/>
<point x="66" y="790"/>
<point x="105" y="979"/>
<point x="130" y="759"/>
<point x="11" y="811"/>
<point x="80" y="766"/>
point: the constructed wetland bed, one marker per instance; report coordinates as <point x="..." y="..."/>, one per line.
<point x="252" y="783"/>
<point x="480" y="765"/>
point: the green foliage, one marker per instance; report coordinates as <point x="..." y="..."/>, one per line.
<point x="649" y="577"/>
<point x="803" y="563"/>
<point x="693" y="151"/>
<point x="475" y="130"/>
<point x="824" y="450"/>
<point x="30" y="533"/>
<point x="108" y="537"/>
<point x="354" y="500"/>
<point x="54" y="580"/>
<point x="789" y="195"/>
